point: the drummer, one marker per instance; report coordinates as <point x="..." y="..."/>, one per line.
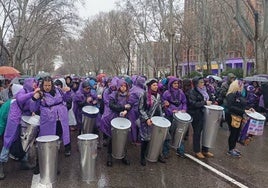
<point x="18" y="108"/>
<point x="83" y="97"/>
<point x="51" y="102"/>
<point x="119" y="106"/>
<point x="237" y="105"/>
<point x="198" y="98"/>
<point x="174" y="101"/>
<point x="149" y="106"/>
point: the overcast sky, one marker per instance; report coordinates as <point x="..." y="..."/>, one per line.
<point x="93" y="7"/>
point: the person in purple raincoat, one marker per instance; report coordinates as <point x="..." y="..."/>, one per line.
<point x="83" y="97"/>
<point x="119" y="106"/>
<point x="136" y="91"/>
<point x="174" y="101"/>
<point x="18" y="108"/>
<point x="51" y="102"/>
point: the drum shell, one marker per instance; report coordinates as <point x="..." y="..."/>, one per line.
<point x="48" y="151"/>
<point x="88" y="156"/>
<point x="157" y="140"/>
<point x="178" y="129"/>
<point x="119" y="138"/>
<point x="212" y="119"/>
<point x="28" y="135"/>
<point x="89" y="116"/>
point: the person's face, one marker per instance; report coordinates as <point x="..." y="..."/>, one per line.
<point x="175" y="84"/>
<point x="123" y="88"/>
<point x="68" y="80"/>
<point x="34" y="85"/>
<point x="86" y="89"/>
<point x="47" y="86"/>
<point x="154" y="87"/>
<point x="200" y="83"/>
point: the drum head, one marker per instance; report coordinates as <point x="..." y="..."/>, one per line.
<point x="90" y="110"/>
<point x="257" y="116"/>
<point x="183" y="116"/>
<point x="87" y="136"/>
<point x="160" y="121"/>
<point x="49" y="138"/>
<point x="32" y="120"/>
<point x="214" y="107"/>
<point x="121" y="123"/>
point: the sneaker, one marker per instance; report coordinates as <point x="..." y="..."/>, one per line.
<point x="208" y="154"/>
<point x="233" y="153"/>
<point x="180" y="154"/>
<point x="199" y="155"/>
<point x="238" y="151"/>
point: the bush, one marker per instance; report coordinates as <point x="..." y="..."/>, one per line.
<point x="193" y="74"/>
<point x="237" y="72"/>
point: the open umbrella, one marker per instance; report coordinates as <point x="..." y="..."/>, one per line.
<point x="9" y="72"/>
<point x="255" y="79"/>
<point x="215" y="77"/>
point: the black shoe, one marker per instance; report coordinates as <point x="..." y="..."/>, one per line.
<point x="67" y="150"/>
<point x="161" y="159"/>
<point x="182" y="155"/>
<point x="143" y="162"/>
<point x="26" y="166"/>
<point x="36" y="170"/>
<point x="2" y="175"/>
<point x="109" y="160"/>
<point x="125" y="161"/>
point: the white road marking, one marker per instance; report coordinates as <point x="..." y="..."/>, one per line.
<point x="228" y="178"/>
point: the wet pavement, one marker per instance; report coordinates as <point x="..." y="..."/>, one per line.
<point x="251" y="170"/>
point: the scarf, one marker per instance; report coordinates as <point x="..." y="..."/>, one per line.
<point x="203" y="91"/>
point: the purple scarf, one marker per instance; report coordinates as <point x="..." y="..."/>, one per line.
<point x="203" y="91"/>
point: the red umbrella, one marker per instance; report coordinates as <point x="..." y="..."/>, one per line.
<point x="9" y="72"/>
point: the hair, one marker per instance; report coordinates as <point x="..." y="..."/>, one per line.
<point x="48" y="79"/>
<point x="235" y="86"/>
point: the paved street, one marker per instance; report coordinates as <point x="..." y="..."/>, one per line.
<point x="249" y="171"/>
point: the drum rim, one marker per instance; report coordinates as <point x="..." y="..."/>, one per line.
<point x="23" y="119"/>
<point x="124" y="119"/>
<point x="174" y="115"/>
<point x="160" y="117"/>
<point x="83" y="136"/>
<point x="92" y="107"/>
<point x="219" y="108"/>
<point x="48" y="136"/>
<point x="250" y="115"/>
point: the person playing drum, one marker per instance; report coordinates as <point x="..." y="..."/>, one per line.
<point x="198" y="98"/>
<point x="119" y="106"/>
<point x="174" y="101"/>
<point x="18" y="108"/>
<point x="237" y="105"/>
<point x="149" y="106"/>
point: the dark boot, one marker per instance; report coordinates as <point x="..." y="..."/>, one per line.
<point x="125" y="160"/>
<point x="25" y="165"/>
<point x="36" y="169"/>
<point x="109" y="160"/>
<point x="67" y="150"/>
<point x="161" y="159"/>
<point x="143" y="151"/>
<point x="2" y="175"/>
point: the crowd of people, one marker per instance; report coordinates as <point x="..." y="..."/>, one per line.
<point x="59" y="103"/>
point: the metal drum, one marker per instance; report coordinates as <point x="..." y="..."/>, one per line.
<point x="120" y="128"/>
<point x="29" y="130"/>
<point x="213" y="115"/>
<point x="256" y="123"/>
<point x="48" y="147"/>
<point x="159" y="132"/>
<point x="180" y="124"/>
<point x="89" y="119"/>
<point x="87" y="145"/>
